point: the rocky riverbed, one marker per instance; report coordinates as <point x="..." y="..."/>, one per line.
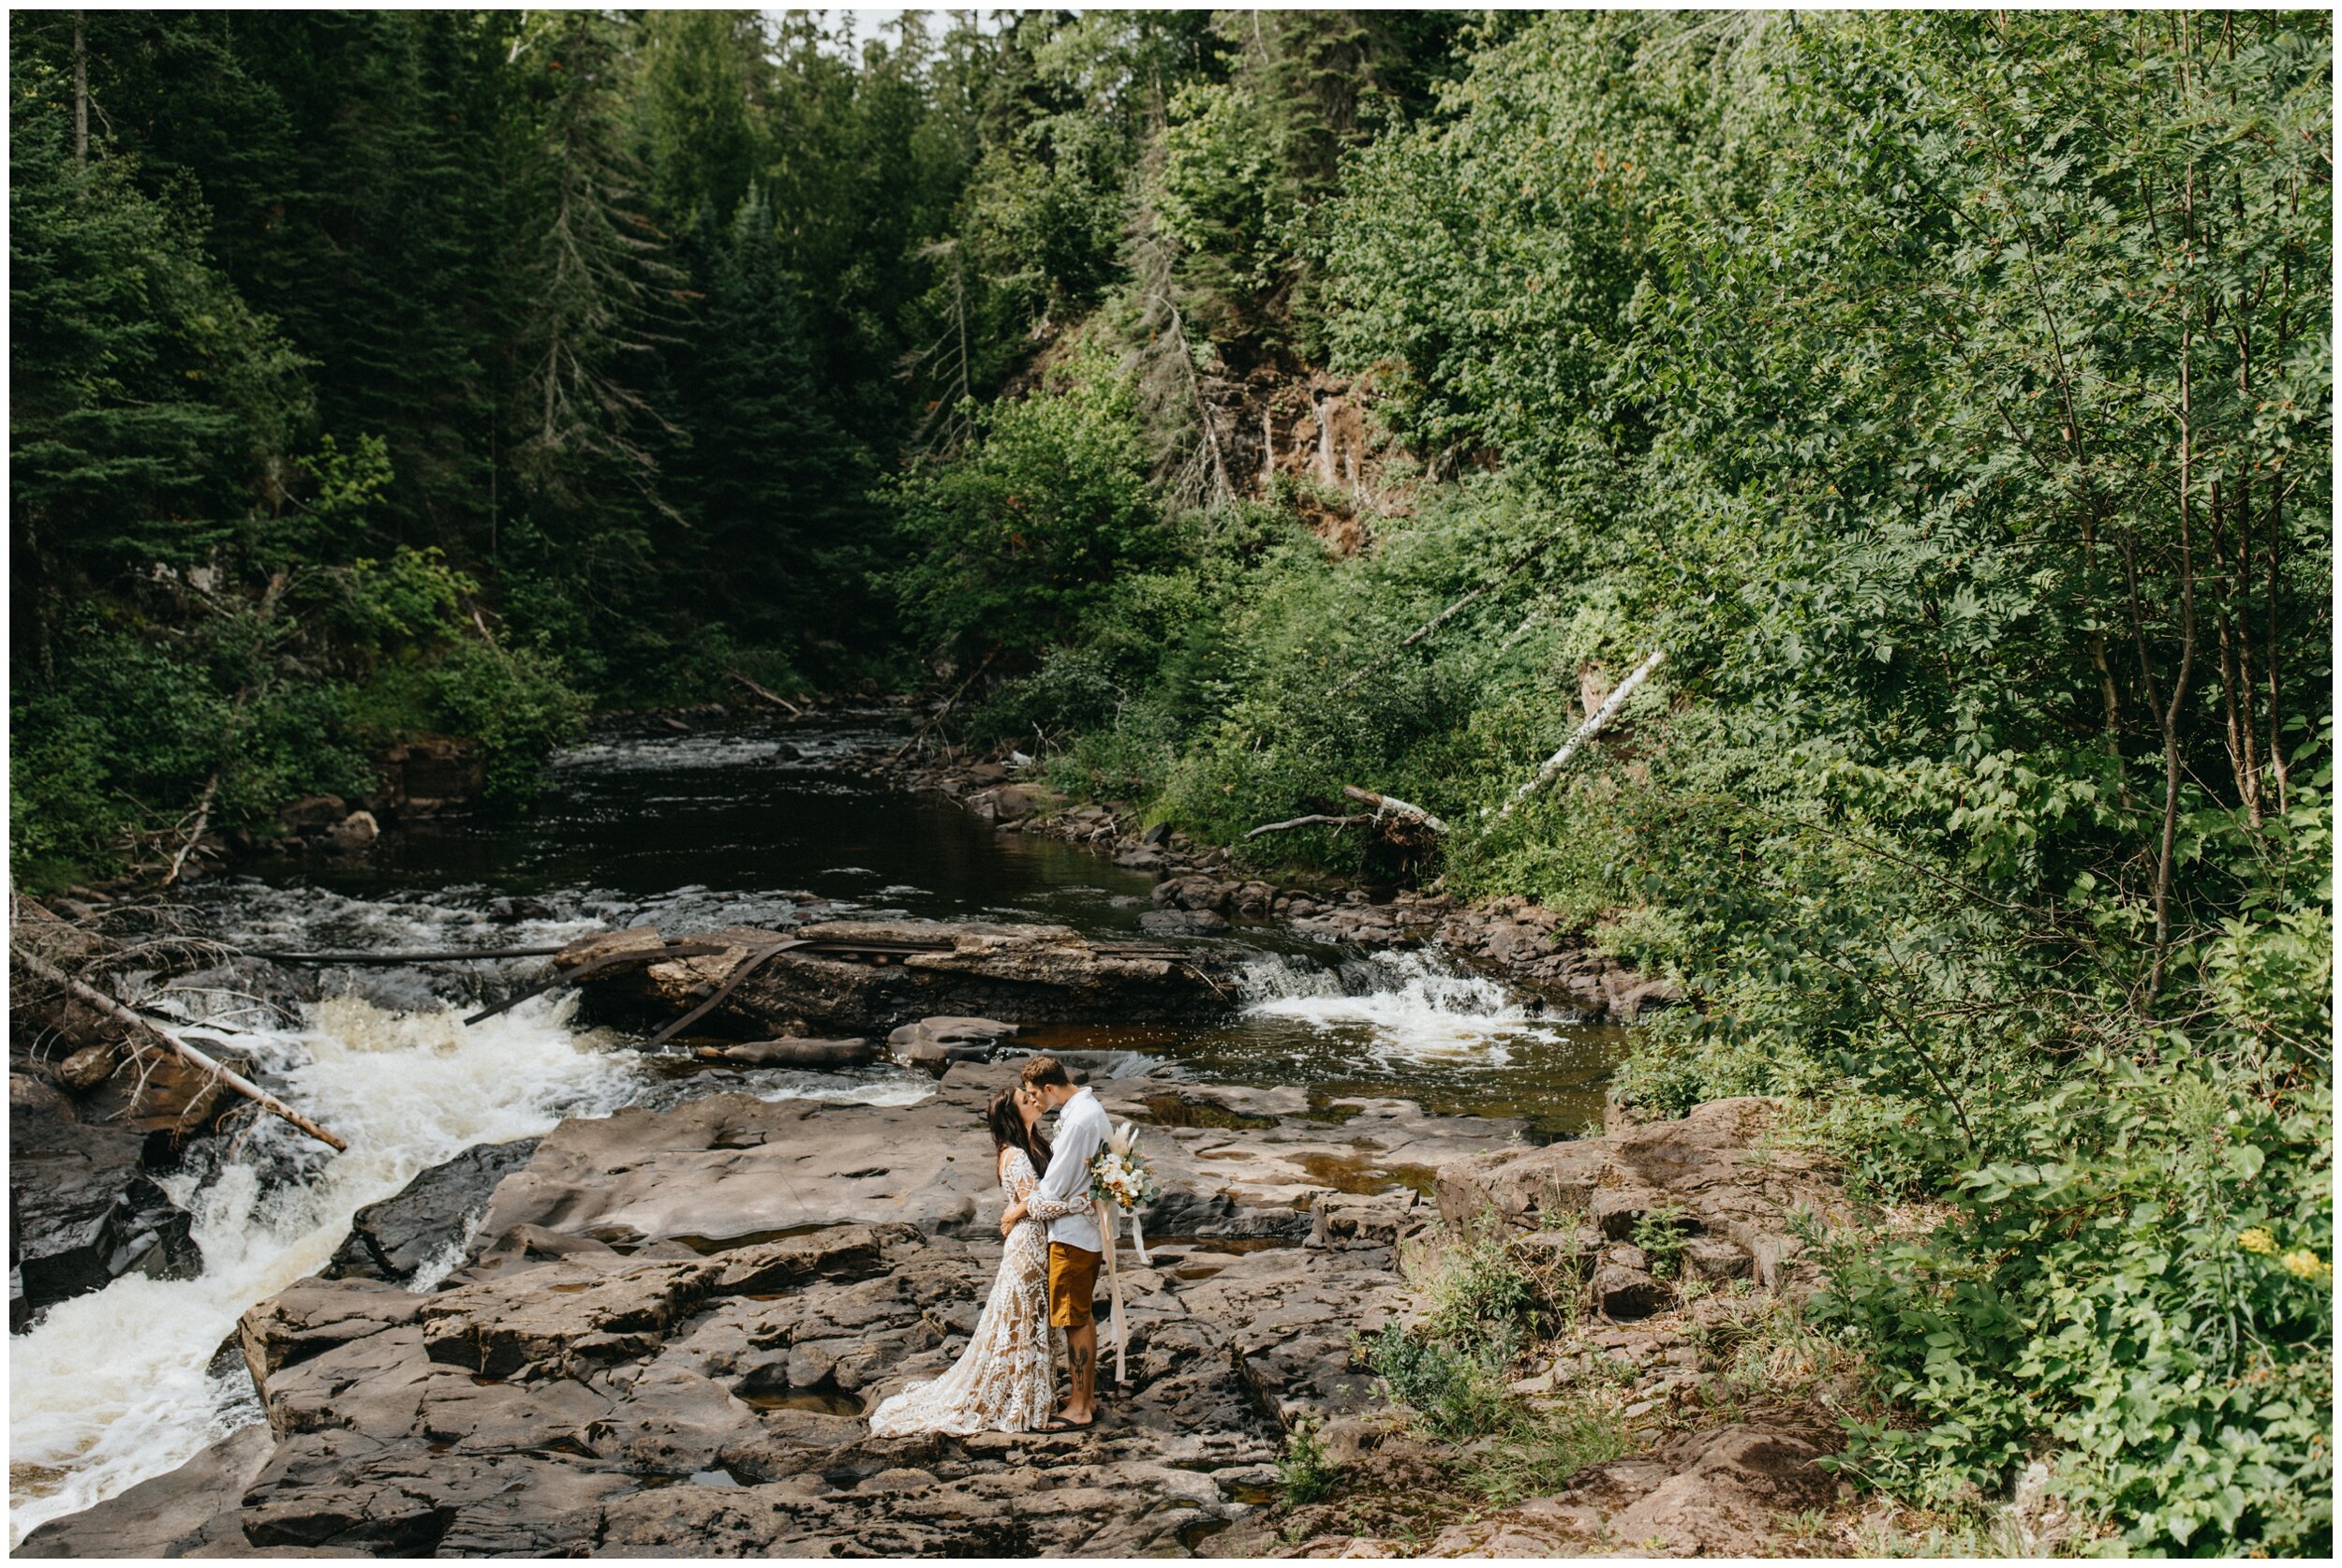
<point x="661" y="1329"/>
<point x="1200" y="892"/>
<point x="791" y="1146"/>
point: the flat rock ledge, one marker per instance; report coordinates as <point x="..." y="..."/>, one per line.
<point x="859" y="978"/>
<point x="668" y="1335"/>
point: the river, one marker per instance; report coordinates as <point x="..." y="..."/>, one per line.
<point x="687" y="832"/>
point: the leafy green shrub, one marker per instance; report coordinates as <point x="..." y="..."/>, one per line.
<point x="1458" y="1393"/>
<point x="1661" y="1233"/>
<point x="2150" y="1287"/>
<point x="517" y="702"/>
<point x="1010" y="544"/>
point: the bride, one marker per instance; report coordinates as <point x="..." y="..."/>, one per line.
<point x="1006" y="1379"/>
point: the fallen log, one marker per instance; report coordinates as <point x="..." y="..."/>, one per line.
<point x="1314" y="820"/>
<point x="451" y="955"/>
<point x="173" y="1041"/>
<point x="671" y="948"/>
<point x="740" y="971"/>
<point x="1594" y="724"/>
<point x="782" y="702"/>
<point x="203" y="820"/>
<point x="1391" y="805"/>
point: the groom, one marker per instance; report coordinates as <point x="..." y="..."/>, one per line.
<point x="1075" y="1245"/>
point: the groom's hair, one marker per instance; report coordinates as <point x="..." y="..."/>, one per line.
<point x="1045" y="1073"/>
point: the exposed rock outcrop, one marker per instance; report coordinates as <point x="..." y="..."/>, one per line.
<point x="92" y="1121"/>
<point x="1718" y="1172"/>
<point x="393" y="1239"/>
<point x="868" y="977"/>
<point x="670" y="1338"/>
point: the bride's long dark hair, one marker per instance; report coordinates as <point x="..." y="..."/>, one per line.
<point x="1008" y="1130"/>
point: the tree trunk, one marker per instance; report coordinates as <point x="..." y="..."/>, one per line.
<point x="2179" y="684"/>
<point x="1594" y="724"/>
<point x="171" y="1040"/>
<point x="81" y="94"/>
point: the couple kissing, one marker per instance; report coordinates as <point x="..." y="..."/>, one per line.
<point x="1006" y="1381"/>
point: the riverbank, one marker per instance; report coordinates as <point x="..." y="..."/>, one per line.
<point x="614" y="1366"/>
<point x="1200" y="891"/>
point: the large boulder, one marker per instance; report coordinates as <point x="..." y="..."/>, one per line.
<point x="82" y="1210"/>
<point x="430" y="1219"/>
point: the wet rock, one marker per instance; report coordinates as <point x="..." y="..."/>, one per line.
<point x="935" y="1044"/>
<point x="1182" y="922"/>
<point x="312" y="814"/>
<point x="82" y="1210"/>
<point x="88" y="1066"/>
<point x="1194" y="893"/>
<point x="1007" y="802"/>
<point x="429" y="1218"/>
<point x="355" y="832"/>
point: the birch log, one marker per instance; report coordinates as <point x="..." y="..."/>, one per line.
<point x="1391" y="805"/>
<point x="1594" y="724"/>
<point x="171" y="1038"/>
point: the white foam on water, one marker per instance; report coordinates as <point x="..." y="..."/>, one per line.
<point x="1399" y="1006"/>
<point x="111" y="1388"/>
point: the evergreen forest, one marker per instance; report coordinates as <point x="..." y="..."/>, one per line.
<point x="1228" y="407"/>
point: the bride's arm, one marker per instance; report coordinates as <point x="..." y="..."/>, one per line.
<point x="1031" y="1204"/>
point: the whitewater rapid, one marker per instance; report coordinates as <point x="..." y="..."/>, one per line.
<point x="113" y="1387"/>
<point x="1396" y="1008"/>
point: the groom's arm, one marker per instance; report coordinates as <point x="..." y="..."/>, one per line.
<point x="1065" y="1185"/>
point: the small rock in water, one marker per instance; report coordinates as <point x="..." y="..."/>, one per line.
<point x="1182" y="922"/>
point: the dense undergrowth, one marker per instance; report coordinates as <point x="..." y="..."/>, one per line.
<point x="1949" y="398"/>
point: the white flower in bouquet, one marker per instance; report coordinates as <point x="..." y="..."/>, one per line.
<point x="1118" y="1177"/>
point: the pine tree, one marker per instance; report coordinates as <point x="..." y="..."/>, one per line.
<point x="147" y="401"/>
<point x="781" y="525"/>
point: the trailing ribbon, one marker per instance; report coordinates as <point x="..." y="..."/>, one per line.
<point x="1103" y="1213"/>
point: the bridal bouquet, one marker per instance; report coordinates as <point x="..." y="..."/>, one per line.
<point x="1120" y="1184"/>
<point x="1118" y="1177"/>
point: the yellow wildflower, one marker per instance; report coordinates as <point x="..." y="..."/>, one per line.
<point x="2258" y="1240"/>
<point x="2303" y="1263"/>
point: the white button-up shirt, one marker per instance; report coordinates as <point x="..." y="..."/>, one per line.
<point x="1063" y="1195"/>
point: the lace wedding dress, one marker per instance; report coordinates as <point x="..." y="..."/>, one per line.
<point x="1006" y="1381"/>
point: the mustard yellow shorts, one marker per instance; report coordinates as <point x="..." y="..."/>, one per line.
<point x="1072" y="1285"/>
